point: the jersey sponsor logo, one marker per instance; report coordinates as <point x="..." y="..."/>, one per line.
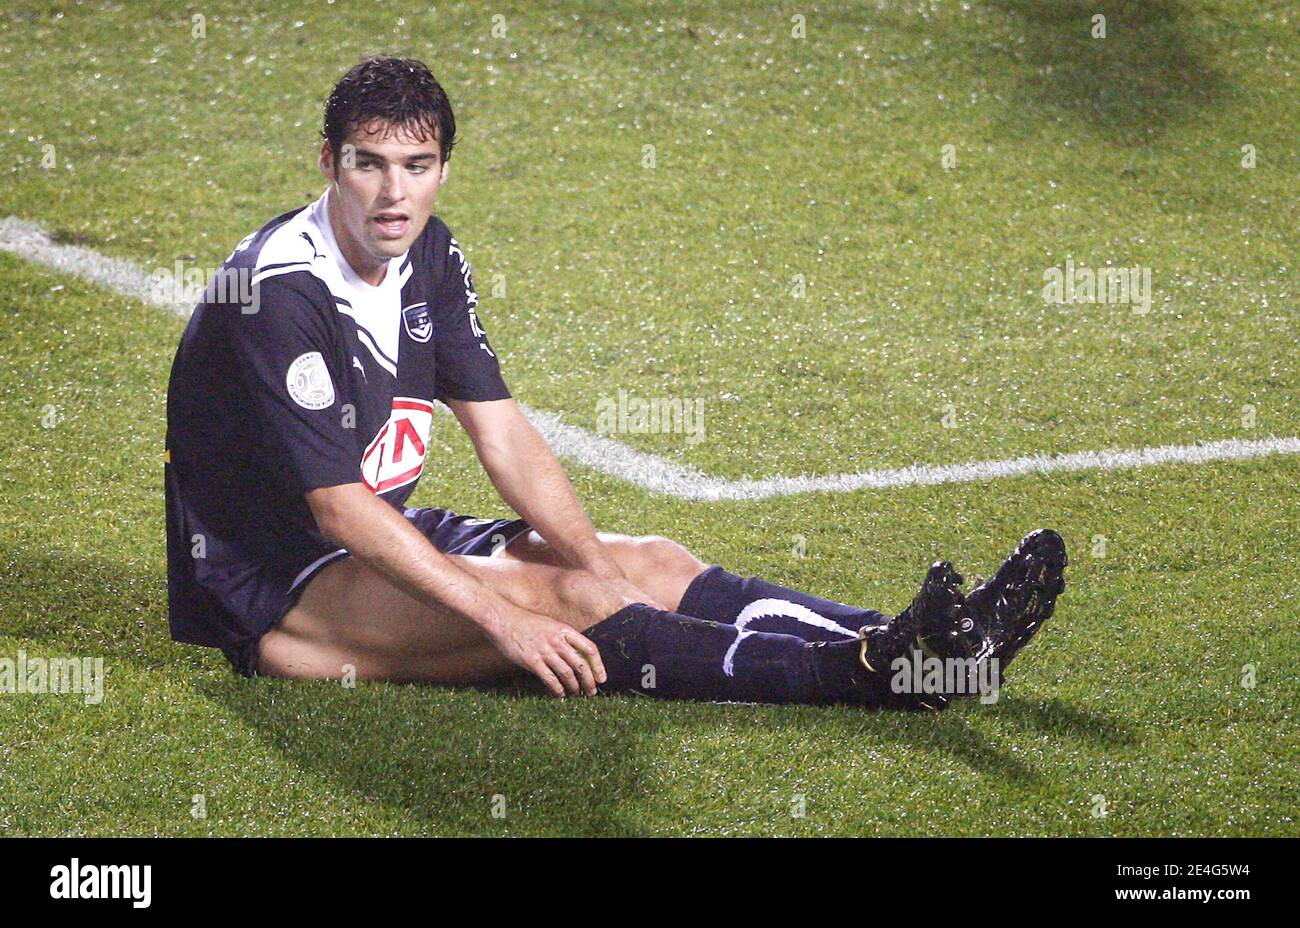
<point x="419" y="325"/>
<point x="308" y="381"/>
<point x="395" y="456"/>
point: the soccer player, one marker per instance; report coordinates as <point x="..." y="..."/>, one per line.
<point x="298" y="419"/>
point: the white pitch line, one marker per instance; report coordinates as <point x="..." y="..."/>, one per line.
<point x="30" y="241"/>
<point x="660" y="476"/>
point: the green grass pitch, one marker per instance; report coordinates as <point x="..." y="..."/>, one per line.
<point x="777" y="159"/>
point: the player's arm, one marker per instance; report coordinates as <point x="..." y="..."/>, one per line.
<point x="376" y="534"/>
<point x="287" y="356"/>
<point x="533" y="483"/>
<point x="516" y="458"/>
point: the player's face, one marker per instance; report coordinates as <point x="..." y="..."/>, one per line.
<point x="385" y="182"/>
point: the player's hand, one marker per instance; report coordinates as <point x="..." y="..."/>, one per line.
<point x="557" y="654"/>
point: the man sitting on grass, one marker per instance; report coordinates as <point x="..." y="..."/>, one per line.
<point x="298" y="425"/>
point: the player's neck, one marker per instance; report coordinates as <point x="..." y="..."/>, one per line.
<point x="363" y="265"/>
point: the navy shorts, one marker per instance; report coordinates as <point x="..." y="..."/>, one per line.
<point x="449" y="533"/>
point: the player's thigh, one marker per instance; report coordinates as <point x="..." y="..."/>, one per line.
<point x="354" y="605"/>
<point x="660" y="566"/>
<point x="300" y="658"/>
<point x="350" y="614"/>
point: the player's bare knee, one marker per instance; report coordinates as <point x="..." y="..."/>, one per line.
<point x="586" y="598"/>
<point x="664" y="557"/>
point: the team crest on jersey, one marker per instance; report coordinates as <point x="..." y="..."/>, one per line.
<point x="308" y="381"/>
<point x="395" y="456"/>
<point x="419" y="324"/>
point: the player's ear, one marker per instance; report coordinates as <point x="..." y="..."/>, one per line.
<point x="326" y="162"/>
<point x="446" y="170"/>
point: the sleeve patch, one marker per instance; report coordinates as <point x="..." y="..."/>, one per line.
<point x="309" y="383"/>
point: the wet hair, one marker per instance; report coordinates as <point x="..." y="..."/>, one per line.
<point x="399" y="91"/>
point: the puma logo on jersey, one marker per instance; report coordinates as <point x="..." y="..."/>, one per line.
<point x="395" y="456"/>
<point x="356" y="362"/>
<point x="314" y="253"/>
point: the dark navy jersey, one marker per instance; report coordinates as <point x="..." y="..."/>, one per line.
<point x="318" y="379"/>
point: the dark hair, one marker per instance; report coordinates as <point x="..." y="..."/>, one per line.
<point x="398" y="91"/>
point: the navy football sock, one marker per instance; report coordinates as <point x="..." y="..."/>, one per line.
<point x="755" y="604"/>
<point x="679" y="657"/>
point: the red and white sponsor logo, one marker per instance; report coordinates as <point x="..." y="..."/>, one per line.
<point x="395" y="456"/>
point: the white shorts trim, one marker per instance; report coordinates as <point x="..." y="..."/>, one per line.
<point x="314" y="566"/>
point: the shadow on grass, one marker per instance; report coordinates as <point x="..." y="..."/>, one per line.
<point x="1055" y="717"/>
<point x="446" y="760"/>
<point x="586" y="767"/>
<point x="1151" y="69"/>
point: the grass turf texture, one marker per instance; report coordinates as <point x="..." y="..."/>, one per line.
<point x="774" y="157"/>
